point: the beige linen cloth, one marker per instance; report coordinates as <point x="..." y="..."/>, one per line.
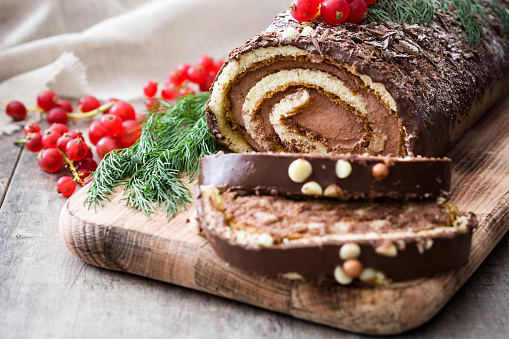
<point x="110" y="48"/>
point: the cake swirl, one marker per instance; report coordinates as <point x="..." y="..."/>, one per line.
<point x="376" y="88"/>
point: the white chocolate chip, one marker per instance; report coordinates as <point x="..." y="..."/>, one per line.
<point x="290" y="32"/>
<point x="387" y="249"/>
<point x="265" y="240"/>
<point x="300" y="170"/>
<point x="368" y="274"/>
<point x="312" y="188"/>
<point x="341" y="277"/>
<point x="307" y="31"/>
<point x="343" y="169"/>
<point x="349" y="251"/>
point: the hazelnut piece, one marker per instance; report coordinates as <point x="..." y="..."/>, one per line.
<point x="265" y="240"/>
<point x="353" y="268"/>
<point x="380" y="171"/>
<point x="387" y="249"/>
<point x="333" y="191"/>
<point x="300" y="170"/>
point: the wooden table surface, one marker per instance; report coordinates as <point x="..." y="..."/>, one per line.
<point x="46" y="292"/>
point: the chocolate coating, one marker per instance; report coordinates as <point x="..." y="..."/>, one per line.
<point x="441" y="85"/>
<point x="267" y="173"/>
<point x="316" y="259"/>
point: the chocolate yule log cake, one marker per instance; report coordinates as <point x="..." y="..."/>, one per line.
<point x="342" y="176"/>
<point x="376" y="87"/>
<point x="371" y="240"/>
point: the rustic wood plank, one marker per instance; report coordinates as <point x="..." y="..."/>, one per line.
<point x="9" y="155"/>
<point x="120" y="238"/>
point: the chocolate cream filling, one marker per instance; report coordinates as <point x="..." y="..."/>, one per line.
<point x="341" y="116"/>
<point x="274" y="236"/>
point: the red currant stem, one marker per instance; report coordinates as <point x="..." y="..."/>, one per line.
<point x="20" y="142"/>
<point x="73" y="169"/>
<point x="312" y="20"/>
<point x="92" y="113"/>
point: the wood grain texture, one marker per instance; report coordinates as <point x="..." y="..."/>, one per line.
<point x="9" y="155"/>
<point x="119" y="238"/>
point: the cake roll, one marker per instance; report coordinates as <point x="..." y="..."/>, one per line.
<point x="377" y="88"/>
<point x="335" y="176"/>
<point x="353" y="242"/>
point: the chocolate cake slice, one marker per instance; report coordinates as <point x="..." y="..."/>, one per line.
<point x="335" y="176"/>
<point x="356" y="241"/>
<point x="377" y="88"/>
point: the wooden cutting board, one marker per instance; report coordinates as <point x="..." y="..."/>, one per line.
<point x="117" y="237"/>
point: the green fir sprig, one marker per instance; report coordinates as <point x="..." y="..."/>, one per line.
<point x="173" y="140"/>
<point x="471" y="15"/>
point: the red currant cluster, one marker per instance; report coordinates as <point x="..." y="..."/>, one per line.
<point x="117" y="128"/>
<point x="184" y="79"/>
<point x="333" y="12"/>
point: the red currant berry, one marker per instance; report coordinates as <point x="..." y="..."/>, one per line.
<point x="106" y="145"/>
<point x="335" y="12"/>
<point x="197" y="75"/>
<point x="62" y="141"/>
<point x="151" y="104"/>
<point x="46" y="100"/>
<point x="141" y="118"/>
<point x="50" y="139"/>
<point x="88" y="103"/>
<point x="179" y="75"/>
<point x="304" y="10"/>
<point x="76" y="135"/>
<point x="123" y="110"/>
<point x="150" y="89"/>
<point x="57" y="115"/>
<point x="89" y="180"/>
<point x="60" y="128"/>
<point x="16" y="110"/>
<point x="76" y="149"/>
<point x="130" y="133"/>
<point x="32" y="127"/>
<point x="65" y="104"/>
<point x="87" y="163"/>
<point x="207" y="63"/>
<point x="369" y="2"/>
<point x="186" y="90"/>
<point x="95" y="132"/>
<point x="90" y="154"/>
<point x="205" y="87"/>
<point x="66" y="186"/>
<point x="50" y="160"/>
<point x="111" y="124"/>
<point x="107" y="102"/>
<point x="34" y="142"/>
<point x="169" y="93"/>
<point x="358" y="11"/>
<point x="217" y="66"/>
<point x="83" y="173"/>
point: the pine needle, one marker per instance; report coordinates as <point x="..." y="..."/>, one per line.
<point x="471" y="15"/>
<point x="173" y="140"/>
